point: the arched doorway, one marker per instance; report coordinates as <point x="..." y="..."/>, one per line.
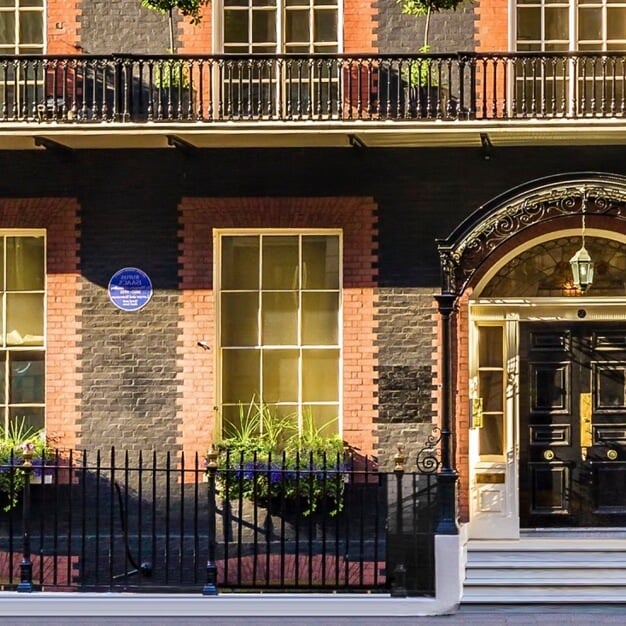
<point x="547" y="364"/>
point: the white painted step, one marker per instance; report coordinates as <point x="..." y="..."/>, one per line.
<point x="572" y="568"/>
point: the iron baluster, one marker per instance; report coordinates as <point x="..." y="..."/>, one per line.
<point x="398" y="585"/>
<point x="210" y="588"/>
<point x="26" y="567"/>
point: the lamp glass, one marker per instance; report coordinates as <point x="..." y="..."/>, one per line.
<point x="582" y="269"/>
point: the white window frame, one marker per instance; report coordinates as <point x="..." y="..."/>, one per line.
<point x="574" y="82"/>
<point x="5" y="408"/>
<point x="573" y="7"/>
<point x="217" y="19"/>
<point x="218" y="234"/>
<point x="16" y="10"/>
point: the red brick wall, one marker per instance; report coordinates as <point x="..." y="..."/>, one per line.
<point x="62" y="26"/>
<point x="198" y="217"/>
<point x="492" y="25"/>
<point x="461" y="408"/>
<point x="196" y="39"/>
<point x="359" y="22"/>
<point x="59" y="216"/>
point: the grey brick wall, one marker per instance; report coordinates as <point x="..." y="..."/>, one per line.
<point x="405" y="346"/>
<point x="129" y="359"/>
<point x="450" y="31"/>
<point x="122" y="26"/>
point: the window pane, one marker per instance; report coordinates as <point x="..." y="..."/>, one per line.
<point x="320" y="262"/>
<point x="320" y="313"/>
<point x="26" y="384"/>
<point x="240" y="262"/>
<point x="557" y="23"/>
<point x="31" y="26"/>
<point x="325" y="418"/>
<point x="25" y="263"/>
<point x="263" y="26"/>
<point x="616" y="23"/>
<point x="3" y="395"/>
<point x="297" y="26"/>
<point x="280" y="263"/>
<point x="7" y="28"/>
<point x="325" y="28"/>
<point x="28" y="418"/>
<point x="235" y="26"/>
<point x="280" y="376"/>
<point x="240" y="376"/>
<point x="24" y="319"/>
<point x="239" y="319"/>
<point x="236" y="418"/>
<point x="2" y="285"/>
<point x="590" y="24"/>
<point x="490" y="346"/>
<point x="320" y="375"/>
<point x="491" y="390"/>
<point x="529" y="23"/>
<point x="491" y="435"/>
<point x="279" y="319"/>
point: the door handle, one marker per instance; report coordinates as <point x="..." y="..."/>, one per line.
<point x="586" y="429"/>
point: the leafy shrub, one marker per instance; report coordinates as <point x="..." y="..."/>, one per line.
<point x="14" y="441"/>
<point x="267" y="459"/>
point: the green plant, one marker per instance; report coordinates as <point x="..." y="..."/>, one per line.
<point x="421" y="72"/>
<point x="15" y="440"/>
<point x="189" y="8"/>
<point x="171" y="73"/>
<point x="267" y="459"/>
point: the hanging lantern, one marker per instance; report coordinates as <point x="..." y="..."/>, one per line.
<point x="582" y="269"/>
<point x="581" y="263"/>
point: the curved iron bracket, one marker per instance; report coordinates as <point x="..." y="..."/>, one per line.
<point x="543" y="200"/>
<point x="428" y="460"/>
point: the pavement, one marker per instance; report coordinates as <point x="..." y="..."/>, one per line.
<point x="103" y="609"/>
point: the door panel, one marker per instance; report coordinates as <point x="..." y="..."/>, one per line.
<point x="572" y="425"/>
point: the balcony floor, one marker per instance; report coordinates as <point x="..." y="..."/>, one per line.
<point x="358" y="134"/>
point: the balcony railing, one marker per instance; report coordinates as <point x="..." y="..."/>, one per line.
<point x="319" y="88"/>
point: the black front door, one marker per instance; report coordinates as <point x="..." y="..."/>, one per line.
<point x="572" y="425"/>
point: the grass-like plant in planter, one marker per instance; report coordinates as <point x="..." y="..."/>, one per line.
<point x="268" y="460"/>
<point x="14" y="441"/>
<point x="422" y="76"/>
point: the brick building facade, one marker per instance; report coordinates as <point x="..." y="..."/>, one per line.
<point x="113" y="200"/>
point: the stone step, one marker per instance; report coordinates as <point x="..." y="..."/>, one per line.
<point x="553" y="575"/>
<point x="546" y="569"/>
<point x="540" y="594"/>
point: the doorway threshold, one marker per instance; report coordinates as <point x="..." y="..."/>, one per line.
<point x="591" y="533"/>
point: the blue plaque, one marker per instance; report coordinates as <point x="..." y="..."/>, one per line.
<point x="130" y="289"/>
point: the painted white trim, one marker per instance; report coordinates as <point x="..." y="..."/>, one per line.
<point x="509" y="312"/>
<point x="450" y="560"/>
<point x="218" y="234"/>
<point x="217" y="31"/>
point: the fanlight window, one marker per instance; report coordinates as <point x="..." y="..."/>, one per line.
<point x="544" y="270"/>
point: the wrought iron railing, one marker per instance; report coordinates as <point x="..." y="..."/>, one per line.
<point x="112" y="522"/>
<point x="343" y="88"/>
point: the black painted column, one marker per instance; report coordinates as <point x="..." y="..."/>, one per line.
<point x="446" y="477"/>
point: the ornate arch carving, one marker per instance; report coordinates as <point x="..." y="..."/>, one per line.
<point x="544" y="200"/>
